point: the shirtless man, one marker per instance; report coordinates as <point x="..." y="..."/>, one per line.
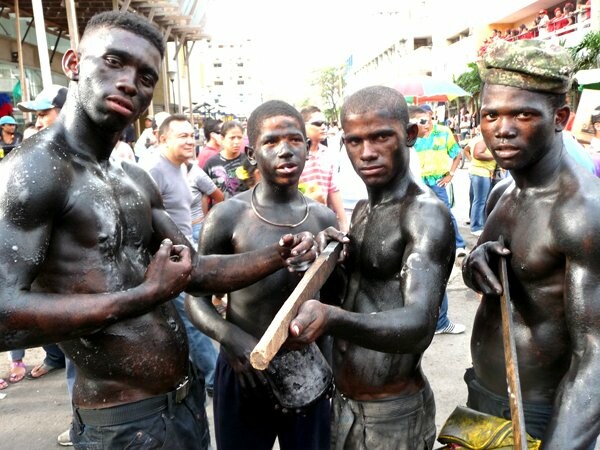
<point x="401" y="253"/>
<point x="549" y="217"/>
<point x="78" y="232"/>
<point x="244" y="415"/>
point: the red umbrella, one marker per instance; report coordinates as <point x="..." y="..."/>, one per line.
<point x="423" y="88"/>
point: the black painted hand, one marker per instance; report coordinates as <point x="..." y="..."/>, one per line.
<point x="308" y="325"/>
<point x="479" y="268"/>
<point x="169" y="271"/>
<point x="333" y="234"/>
<point x="237" y="348"/>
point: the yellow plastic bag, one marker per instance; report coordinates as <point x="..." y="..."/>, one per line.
<point x="474" y="430"/>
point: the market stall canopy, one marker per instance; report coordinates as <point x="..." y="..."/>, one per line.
<point x="588" y="79"/>
<point x="422" y="89"/>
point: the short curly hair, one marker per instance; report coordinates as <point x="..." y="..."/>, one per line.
<point x="380" y="98"/>
<point x="268" y="109"/>
<point x="128" y="21"/>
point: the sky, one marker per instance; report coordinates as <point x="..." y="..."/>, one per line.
<point x="292" y="39"/>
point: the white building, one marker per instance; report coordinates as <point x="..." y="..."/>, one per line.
<point x="223" y="76"/>
<point x="438" y="38"/>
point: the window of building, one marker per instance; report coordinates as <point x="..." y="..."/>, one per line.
<point x="423" y="42"/>
<point x="457" y="37"/>
<point x="218" y="83"/>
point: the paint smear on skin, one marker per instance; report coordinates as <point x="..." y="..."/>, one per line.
<point x="413" y="262"/>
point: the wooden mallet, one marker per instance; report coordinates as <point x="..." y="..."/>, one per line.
<point x="314" y="278"/>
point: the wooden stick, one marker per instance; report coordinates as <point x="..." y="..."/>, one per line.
<point x="510" y="358"/>
<point x="314" y="278"/>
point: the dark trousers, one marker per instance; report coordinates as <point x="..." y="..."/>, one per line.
<point x="247" y="420"/>
<point x="157" y="423"/>
<point x="537" y="415"/>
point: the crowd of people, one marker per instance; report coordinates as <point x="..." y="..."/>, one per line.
<point x="124" y="261"/>
<point x="545" y="25"/>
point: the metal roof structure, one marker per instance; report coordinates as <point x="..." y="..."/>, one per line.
<point x="180" y="20"/>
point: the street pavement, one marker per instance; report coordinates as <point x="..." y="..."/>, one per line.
<point x="34" y="412"/>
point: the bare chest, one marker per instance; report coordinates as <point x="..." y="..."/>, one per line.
<point x="529" y="231"/>
<point x="107" y="210"/>
<point x="377" y="242"/>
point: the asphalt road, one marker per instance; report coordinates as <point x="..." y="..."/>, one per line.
<point x="34" y="412"/>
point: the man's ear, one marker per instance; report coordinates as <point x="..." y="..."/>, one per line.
<point x="412" y="133"/>
<point x="70" y="64"/>
<point x="561" y="117"/>
<point x="250" y="154"/>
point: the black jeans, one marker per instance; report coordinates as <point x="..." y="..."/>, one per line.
<point x="537" y="415"/>
<point x="173" y="425"/>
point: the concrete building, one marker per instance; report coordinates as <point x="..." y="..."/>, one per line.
<point x="46" y="29"/>
<point x="225" y="76"/>
<point x="432" y="37"/>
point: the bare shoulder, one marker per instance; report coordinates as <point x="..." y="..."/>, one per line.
<point x="577" y="213"/>
<point x="504" y="186"/>
<point x="424" y="217"/>
<point x="423" y="205"/>
<point x="220" y="224"/>
<point x="35" y="178"/>
<point x="230" y="208"/>
<point x="324" y="215"/>
<point x="141" y="177"/>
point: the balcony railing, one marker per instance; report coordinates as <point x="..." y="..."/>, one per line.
<point x="554" y="30"/>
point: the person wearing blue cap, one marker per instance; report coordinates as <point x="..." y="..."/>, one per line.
<point x="46" y="105"/>
<point x="9" y="136"/>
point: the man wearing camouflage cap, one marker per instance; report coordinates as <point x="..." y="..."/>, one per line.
<point x="549" y="218"/>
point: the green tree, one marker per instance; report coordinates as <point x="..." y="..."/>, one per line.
<point x="331" y="83"/>
<point x="470" y="81"/>
<point x="586" y="53"/>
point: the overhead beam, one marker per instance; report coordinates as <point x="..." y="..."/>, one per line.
<point x="23" y="81"/>
<point x="186" y="59"/>
<point x="125" y="6"/>
<point x="72" y="23"/>
<point x="55" y="46"/>
<point x="42" y="43"/>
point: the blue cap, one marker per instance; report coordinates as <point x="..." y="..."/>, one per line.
<point x="53" y="96"/>
<point x="426" y="107"/>
<point x="8" y="120"/>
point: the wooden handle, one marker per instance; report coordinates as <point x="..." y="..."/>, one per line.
<point x="314" y="278"/>
<point x="510" y="358"/>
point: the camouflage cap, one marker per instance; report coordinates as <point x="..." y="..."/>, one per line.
<point x="528" y="64"/>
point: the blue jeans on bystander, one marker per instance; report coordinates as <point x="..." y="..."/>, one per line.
<point x="481" y="187"/>
<point x="443" y="196"/>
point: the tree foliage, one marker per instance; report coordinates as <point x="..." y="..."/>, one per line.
<point x="331" y="83"/>
<point x="470" y="81"/>
<point x="586" y="53"/>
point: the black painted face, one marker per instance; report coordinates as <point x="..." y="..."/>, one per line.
<point x="518" y="125"/>
<point x="280" y="150"/>
<point x="117" y="74"/>
<point x="376" y="146"/>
